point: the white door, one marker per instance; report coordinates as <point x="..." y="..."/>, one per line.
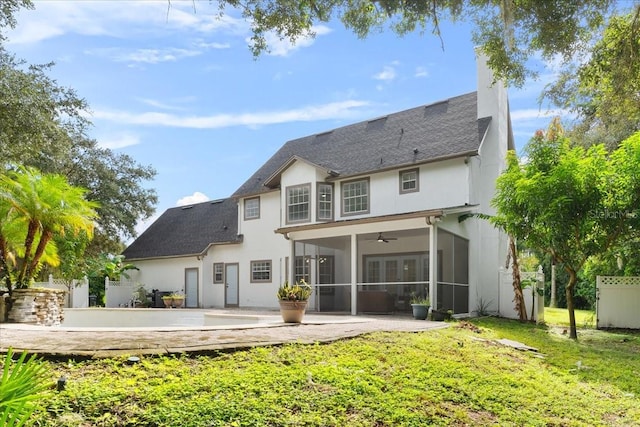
<point x="191" y="287"/>
<point x="231" y="285"/>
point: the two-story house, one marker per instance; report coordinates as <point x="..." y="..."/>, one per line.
<point x="367" y="213"/>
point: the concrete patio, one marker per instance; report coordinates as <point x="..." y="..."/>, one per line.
<point x="99" y="343"/>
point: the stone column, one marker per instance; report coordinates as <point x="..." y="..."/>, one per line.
<point x="37" y="306"/>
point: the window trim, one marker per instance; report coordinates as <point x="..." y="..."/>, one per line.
<point x="286" y="200"/>
<point x="251" y="271"/>
<point x="342" y="204"/>
<point x="218" y="264"/>
<point x="333" y="198"/>
<point x="248" y="218"/>
<point x="411" y="190"/>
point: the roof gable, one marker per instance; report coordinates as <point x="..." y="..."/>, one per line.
<point x="187" y="230"/>
<point x="436" y="131"/>
<point x="274" y="180"/>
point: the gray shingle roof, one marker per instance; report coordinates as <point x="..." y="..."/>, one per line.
<point x="445" y="129"/>
<point x="187" y="230"/>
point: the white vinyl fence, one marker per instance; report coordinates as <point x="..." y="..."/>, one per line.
<point x="120" y="293"/>
<point x="533" y="294"/>
<point x="618" y="302"/>
<point x="77" y="291"/>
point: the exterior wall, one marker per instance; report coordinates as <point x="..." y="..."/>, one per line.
<point x="260" y="242"/>
<point x="165" y="274"/>
<point x="441" y="184"/>
<point x="489" y="247"/>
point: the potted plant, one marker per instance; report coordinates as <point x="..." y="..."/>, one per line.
<point x="441" y="314"/>
<point x="420" y="307"/>
<point x="178" y="300"/>
<point x="293" y="301"/>
<point x="173" y="300"/>
<point x="168" y="301"/>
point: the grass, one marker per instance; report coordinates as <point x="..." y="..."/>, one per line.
<point x="560" y="316"/>
<point x="457" y="377"/>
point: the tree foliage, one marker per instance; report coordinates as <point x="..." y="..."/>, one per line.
<point x="35" y="208"/>
<point x="508" y="32"/>
<point x="43" y="125"/>
<point x="605" y="91"/>
<point x="8" y="9"/>
<point x="570" y="202"/>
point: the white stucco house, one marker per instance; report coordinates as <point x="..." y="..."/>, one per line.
<point x="367" y="213"/>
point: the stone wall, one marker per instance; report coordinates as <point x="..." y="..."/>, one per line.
<point x="38" y="306"/>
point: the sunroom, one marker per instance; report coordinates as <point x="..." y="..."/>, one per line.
<point x="376" y="265"/>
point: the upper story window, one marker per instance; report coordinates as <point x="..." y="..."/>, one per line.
<point x="409" y="181"/>
<point x="298" y="203"/>
<point x="355" y="197"/>
<point x="252" y="208"/>
<point x="325" y="202"/>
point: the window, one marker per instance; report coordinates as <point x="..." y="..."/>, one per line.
<point x="218" y="272"/>
<point x="301" y="269"/>
<point x="409" y="181"/>
<point x="260" y="271"/>
<point x="252" y="208"/>
<point x="325" y="270"/>
<point x="355" y="197"/>
<point x="325" y="202"/>
<point x="298" y="203"/>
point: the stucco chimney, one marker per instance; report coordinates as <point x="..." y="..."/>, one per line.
<point x="490" y="95"/>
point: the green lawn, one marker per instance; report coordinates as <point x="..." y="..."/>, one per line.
<point x="560" y="316"/>
<point x="458" y="376"/>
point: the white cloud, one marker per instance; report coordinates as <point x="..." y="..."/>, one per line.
<point x="283" y="47"/>
<point x="533" y="114"/>
<point x="196" y="197"/>
<point x="169" y="104"/>
<point x="421" y="72"/>
<point x="212" y="45"/>
<point x="333" y="110"/>
<point x="123" y="20"/>
<point x="119" y="141"/>
<point x="388" y="73"/>
<point x="147" y="56"/>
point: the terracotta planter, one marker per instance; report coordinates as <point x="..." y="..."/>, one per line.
<point x="292" y="311"/>
<point x="178" y="302"/>
<point x="167" y="302"/>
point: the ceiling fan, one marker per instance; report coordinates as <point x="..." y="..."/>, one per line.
<point x="382" y="239"/>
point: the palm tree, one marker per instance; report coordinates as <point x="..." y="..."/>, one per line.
<point x="35" y="207"/>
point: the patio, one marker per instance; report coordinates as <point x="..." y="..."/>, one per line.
<point x="96" y="343"/>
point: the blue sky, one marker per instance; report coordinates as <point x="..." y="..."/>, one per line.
<point x="178" y="89"/>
